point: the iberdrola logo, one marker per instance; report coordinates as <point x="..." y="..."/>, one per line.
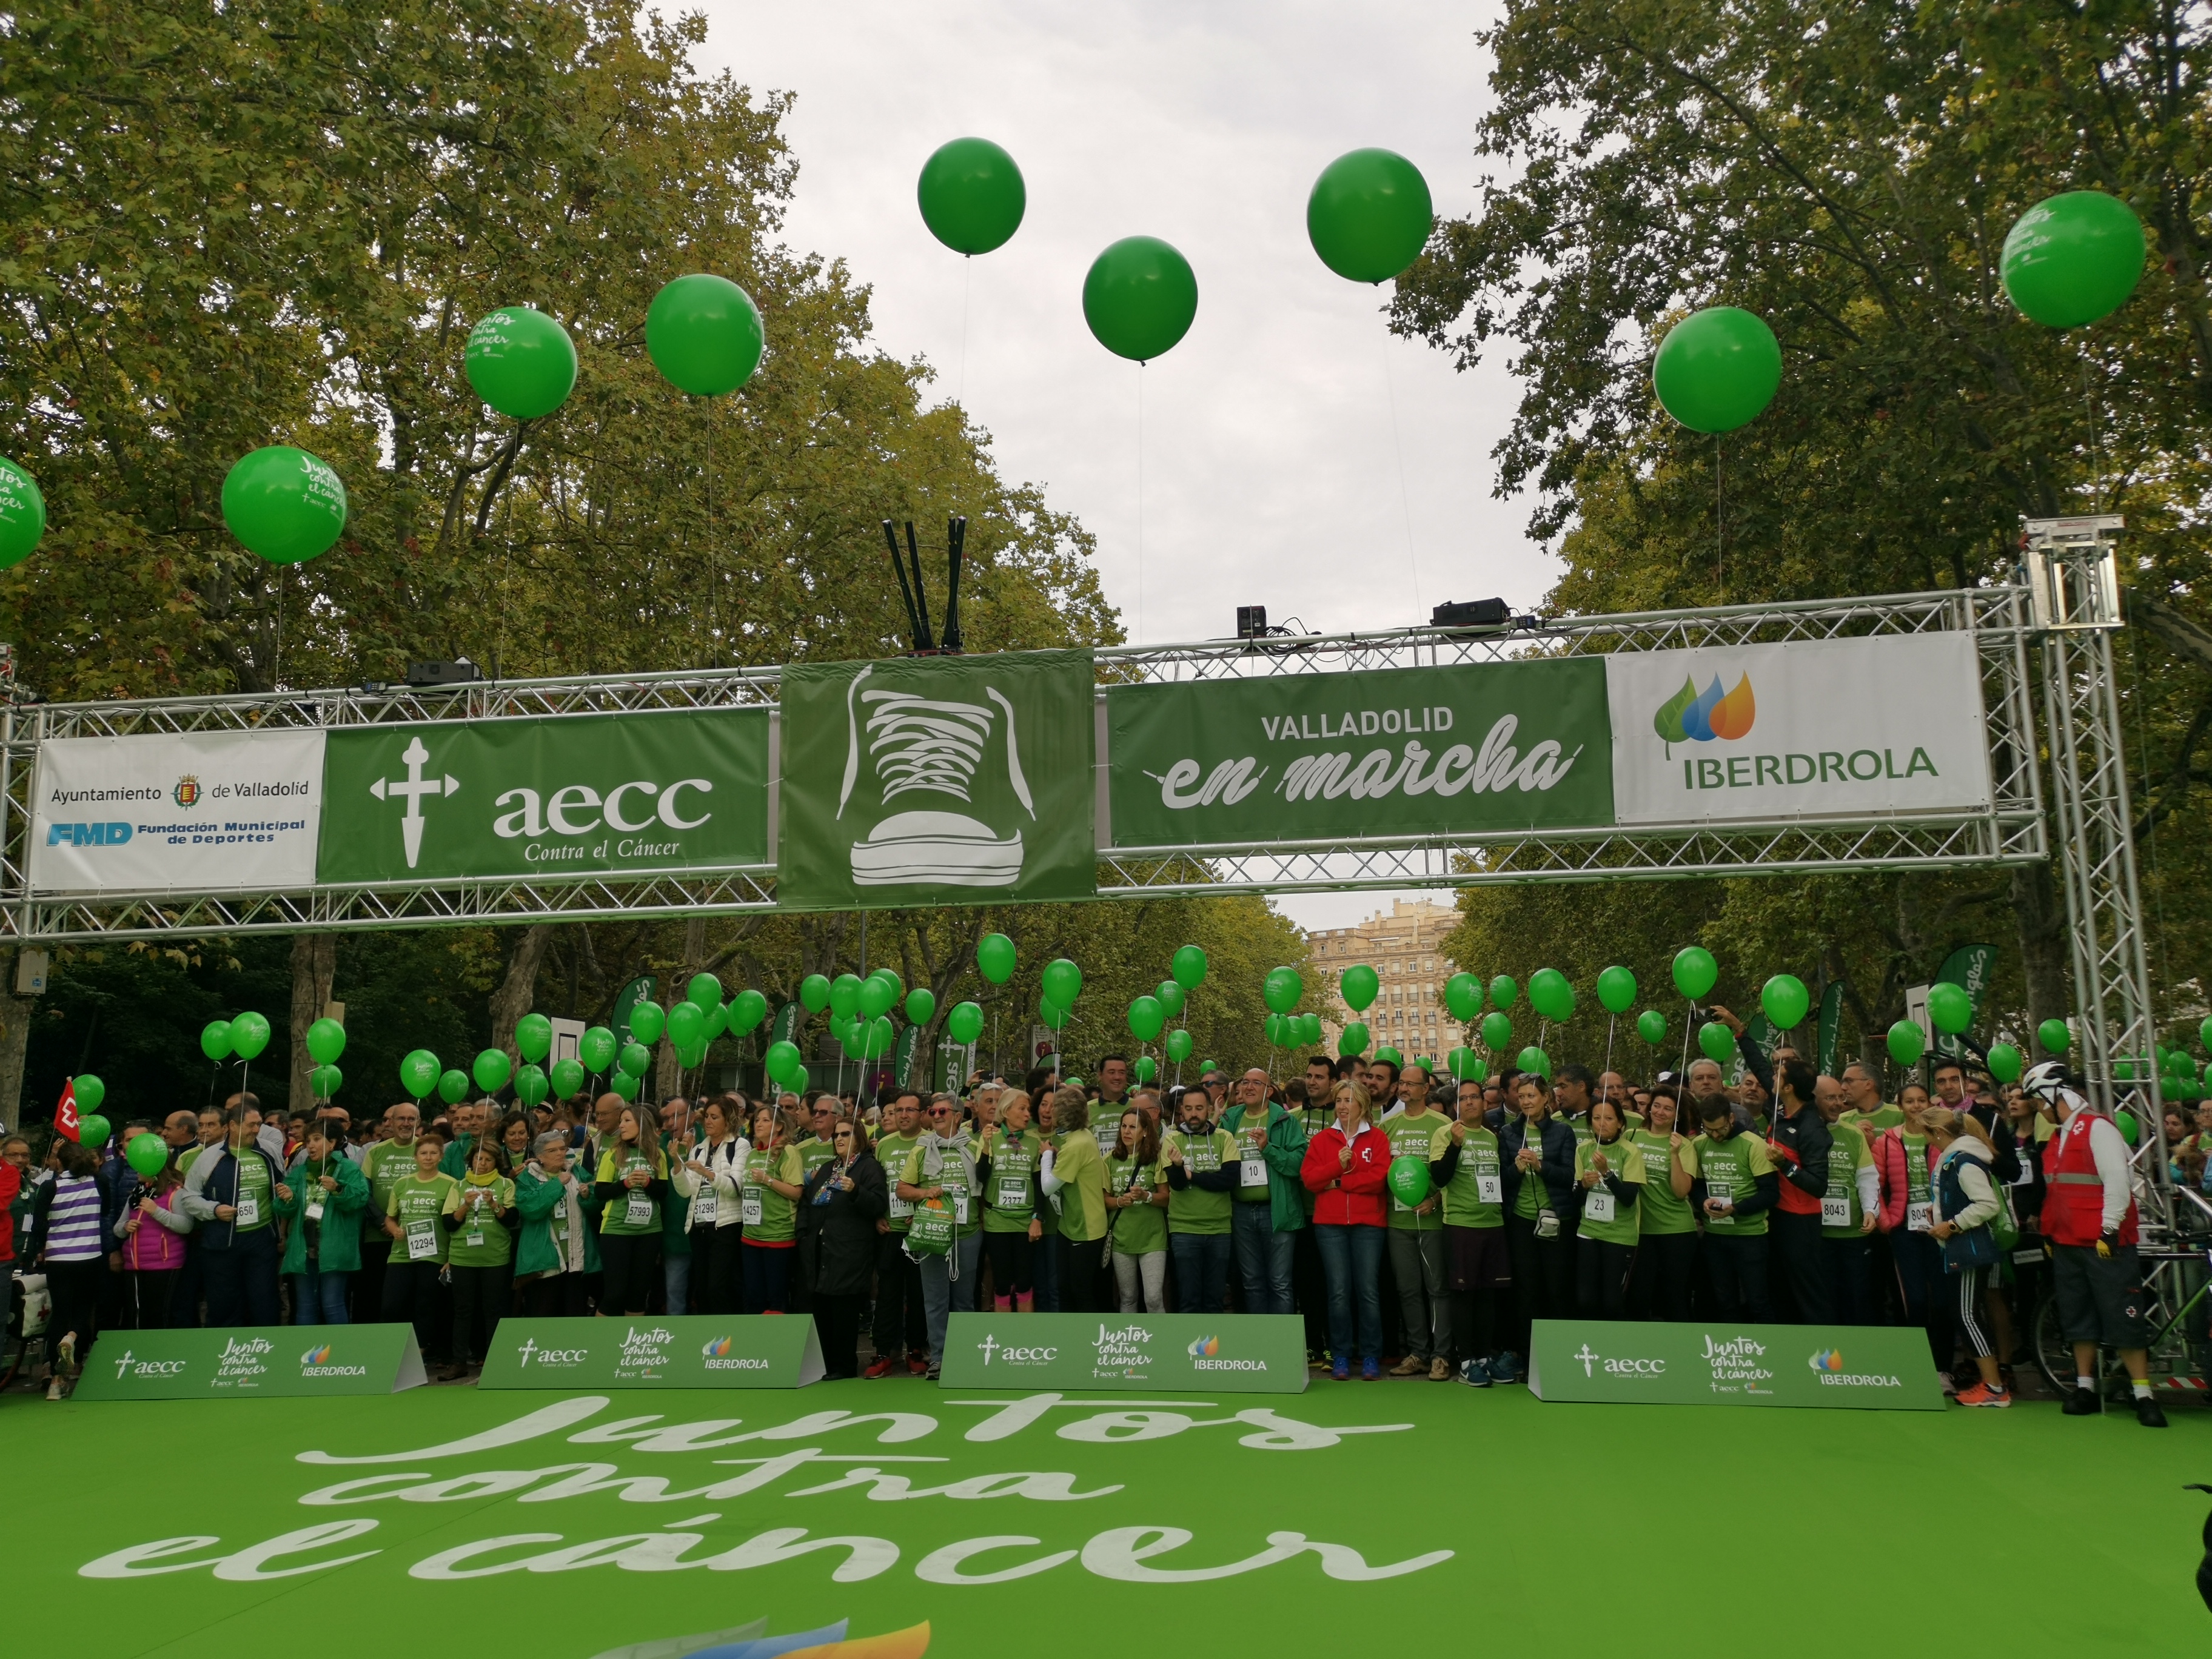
<point x="717" y="1348"/>
<point x="1828" y="1359"/>
<point x="1206" y="1347"/>
<point x="317" y="1356"/>
<point x="1694" y="716"/>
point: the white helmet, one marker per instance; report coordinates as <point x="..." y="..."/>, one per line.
<point x="2048" y="1079"/>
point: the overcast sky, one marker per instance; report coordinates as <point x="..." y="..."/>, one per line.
<point x="1271" y="471"/>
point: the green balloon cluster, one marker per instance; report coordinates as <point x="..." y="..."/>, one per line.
<point x="22" y="514"/>
<point x="1717" y="369"/>
<point x="284" y="505"/>
<point x="520" y="361"/>
<point x="972" y="196"/>
<point x="2073" y="259"/>
<point x="703" y="333"/>
<point x="1368" y="216"/>
<point x="1139" y="298"/>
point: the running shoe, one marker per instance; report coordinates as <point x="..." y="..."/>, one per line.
<point x="2082" y="1402"/>
<point x="1341" y="1371"/>
<point x="1440" y="1370"/>
<point x="1474" y="1373"/>
<point x="1370" y="1370"/>
<point x="1409" y="1366"/>
<point x="1982" y="1395"/>
<point x="1505" y="1367"/>
<point x="917" y="1365"/>
<point x="2147" y="1414"/>
<point x="881" y="1368"/>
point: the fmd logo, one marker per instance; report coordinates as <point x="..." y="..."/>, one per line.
<point x="86" y="835"/>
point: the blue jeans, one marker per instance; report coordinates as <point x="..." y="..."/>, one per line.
<point x="676" y="1271"/>
<point x="1351" y="1261"/>
<point x="1201" y="1266"/>
<point x="319" y="1298"/>
<point x="942" y="1294"/>
<point x="1263" y="1258"/>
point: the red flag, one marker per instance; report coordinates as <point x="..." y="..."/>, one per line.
<point x="65" y="1112"/>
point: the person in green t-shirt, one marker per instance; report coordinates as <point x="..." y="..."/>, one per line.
<point x="631" y="1183"/>
<point x="415" y="1224"/>
<point x="1610" y="1169"/>
<point x="1736" y="1184"/>
<point x="1863" y="1107"/>
<point x="1136" y="1206"/>
<point x="480" y="1252"/>
<point x="774" y="1178"/>
<point x="322" y="1248"/>
<point x="1012" y="1156"/>
<point x="1416" y="1239"/>
<point x="941" y="1175"/>
<point x="1464" y="1168"/>
<point x="1270" y="1210"/>
<point x="1073" y="1176"/>
<point x="900" y="1333"/>
<point x="1202" y="1172"/>
<point x="1665" y="1227"/>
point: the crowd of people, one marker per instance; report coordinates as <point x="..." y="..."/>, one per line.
<point x="1787" y="1197"/>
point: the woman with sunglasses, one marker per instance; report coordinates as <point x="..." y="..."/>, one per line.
<point x="847" y="1195"/>
<point x="942" y="1171"/>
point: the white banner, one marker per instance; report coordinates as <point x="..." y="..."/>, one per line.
<point x="1827" y="728"/>
<point x="218" y="811"/>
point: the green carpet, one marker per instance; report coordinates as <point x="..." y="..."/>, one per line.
<point x="1571" y="1528"/>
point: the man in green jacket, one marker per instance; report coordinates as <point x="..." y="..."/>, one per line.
<point x="1271" y="1150"/>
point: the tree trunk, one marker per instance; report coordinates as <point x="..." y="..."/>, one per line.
<point x="15" y="1015"/>
<point x="518" y="990"/>
<point x="667" y="1070"/>
<point x="2041" y="911"/>
<point x="314" y="966"/>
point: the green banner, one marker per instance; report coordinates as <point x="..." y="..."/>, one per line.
<point x="257" y="1363"/>
<point x="1831" y="1028"/>
<point x="1407" y="751"/>
<point x="563" y="796"/>
<point x="694" y="1350"/>
<point x="1863" y="1367"/>
<point x="1236" y="1353"/>
<point x="933" y="780"/>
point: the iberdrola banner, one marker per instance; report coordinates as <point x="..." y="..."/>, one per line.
<point x="1251" y="1353"/>
<point x="258" y="1363"/>
<point x="1861" y="1367"/>
<point x="690" y="1351"/>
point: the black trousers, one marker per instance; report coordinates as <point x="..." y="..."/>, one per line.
<point x="1079" y="1261"/>
<point x="1666" y="1276"/>
<point x="241" y="1281"/>
<point x="629" y="1271"/>
<point x="806" y="1262"/>
<point x="1602" y="1270"/>
<point x="1802" y="1267"/>
<point x="147" y="1297"/>
<point x="1849" y="1279"/>
<point x="718" y="1275"/>
<point x="410" y="1296"/>
<point x="1735" y="1277"/>
<point x="1309" y="1289"/>
<point x="558" y="1296"/>
<point x="74" y="1287"/>
<point x="1543" y="1277"/>
<point x="482" y="1298"/>
<point x="837" y="1322"/>
<point x="899" y="1325"/>
<point x="367" y="1287"/>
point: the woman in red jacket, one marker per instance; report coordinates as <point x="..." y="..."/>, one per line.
<point x="1345" y="1169"/>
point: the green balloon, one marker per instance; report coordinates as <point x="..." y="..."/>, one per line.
<point x="718" y="1020"/>
<point x="1785" y="999"/>
<point x="89" y="1091"/>
<point x="520" y="361"/>
<point x="284" y="505"/>
<point x="624" y="1084"/>
<point x="1409" y="1177"/>
<point x="920" y="1006"/>
<point x="1497" y="1031"/>
<point x="647" y="1022"/>
<point x="1536" y="1060"/>
<point x="1209" y="1065"/>
<point x="780" y="1059"/>
<point x="2073" y="259"/>
<point x="1063" y="982"/>
<point x="1907" y="1042"/>
<point x="215" y="1039"/>
<point x="1950" y="1009"/>
<point x="1462" y="997"/>
<point x="533" y="1038"/>
<point x="530" y="1086"/>
<point x="705" y="992"/>
<point x="687" y="1025"/>
<point x="747" y="1010"/>
<point x="325" y="1081"/>
<point x="1279" y="1033"/>
<point x="1145" y="1069"/>
<point x="703" y="333"/>
<point x="1147" y="1016"/>
<point x="844" y="996"/>
<point x="92" y="1129"/>
<point x="1178" y="1045"/>
<point x="1171" y="996"/>
<point x="966" y="1022"/>
<point x="418" y="1073"/>
<point x="1310" y="1027"/>
<point x="876" y="997"/>
<point x="1651" y="1026"/>
<point x="492" y="1070"/>
<point x="814" y="992"/>
<point x="881" y="1039"/>
<point x="634" y="1058"/>
<point x="1282" y="989"/>
<point x="1386" y="1052"/>
<point x="22" y="516"/>
<point x="1717" y="368"/>
<point x="1052" y="1013"/>
<point x="249" y="1035"/>
<point x="1188" y="966"/>
<point x="2054" y="1038"/>
<point x="1616" y="990"/>
<point x="1716" y="1042"/>
<point x="994" y="958"/>
<point x="690" y="1054"/>
<point x="1550" y="994"/>
<point x="1464" y="1063"/>
<point x="1352" y="1040"/>
<point x="148" y="1154"/>
<point x="972" y="195"/>
<point x="1359" y="985"/>
<point x="1503" y="993"/>
<point x="1696" y="973"/>
<point x="2130" y="1131"/>
<point x="596" y="1048"/>
<point x="1139" y="298"/>
<point x="454" y="1087"/>
<point x="2004" y="1062"/>
<point x="1368" y="216"/>
<point x="567" y="1077"/>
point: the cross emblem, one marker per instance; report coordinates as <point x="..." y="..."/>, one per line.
<point x="414" y="787"/>
<point x="1586" y="1357"/>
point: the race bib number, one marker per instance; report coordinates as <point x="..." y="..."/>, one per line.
<point x="1013" y="1193"/>
<point x="249" y="1208"/>
<point x="1835" y="1213"/>
<point x="705" y="1208"/>
<point x="2026" y="1177"/>
<point x="1252" y="1172"/>
<point x="1919" y="1217"/>
<point x="2027" y="1258"/>
<point x="637" y="1210"/>
<point x="960" y="1209"/>
<point x="474" y="1237"/>
<point x="1108" y="1131"/>
<point x="901" y="1207"/>
<point x="315" y="1207"/>
<point x="749" y="1212"/>
<point x="1490" y="1189"/>
<point x="1599" y="1206"/>
<point x="422" y="1241"/>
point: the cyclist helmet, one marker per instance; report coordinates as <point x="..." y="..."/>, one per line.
<point x="2049" y="1079"/>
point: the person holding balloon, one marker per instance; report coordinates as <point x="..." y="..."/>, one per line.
<point x="232" y="1194"/>
<point x="152" y="1235"/>
<point x="774" y="1180"/>
<point x="480" y="1253"/>
<point x="323" y="1214"/>
<point x="1347" y="1168"/>
<point x="1464" y="1169"/>
<point x="1540" y="1197"/>
<point x="708" y="1176"/>
<point x="1610" y="1169"/>
<point x="1416" y="1242"/>
<point x="1202" y="1171"/>
<point x="1665" y="1279"/>
<point x="631" y="1182"/>
<point x="556" y="1255"/>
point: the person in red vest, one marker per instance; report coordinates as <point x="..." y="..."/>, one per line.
<point x="2089" y="1218"/>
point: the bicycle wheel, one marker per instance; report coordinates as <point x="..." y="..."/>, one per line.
<point x="2054" y="1354"/>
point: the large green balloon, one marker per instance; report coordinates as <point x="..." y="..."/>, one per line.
<point x="1282" y="989"/>
<point x="1188" y="966"/>
<point x="703" y="333"/>
<point x="1409" y="1180"/>
<point x="994" y="958"/>
<point x="325" y="1081"/>
<point x="972" y="195"/>
<point x="1535" y="1060"/>
<point x="215" y="1039"/>
<point x="814" y="992"/>
<point x="1785" y="999"/>
<point x="2073" y="259"/>
<point x="1464" y="1063"/>
<point x="1695" y="971"/>
<point x="920" y="1004"/>
<point x="1503" y="993"/>
<point x="1352" y="1040"/>
<point x="1716" y="1042"/>
<point x="418" y="1073"/>
<point x="532" y="1086"/>
<point x="687" y="1025"/>
<point x="1358" y="985"/>
<point x="147" y="1154"/>
<point x="1178" y="1045"/>
<point x="1310" y="1027"/>
<point x="89" y="1091"/>
<point x="284" y="504"/>
<point x="1368" y="216"/>
<point x="492" y="1070"/>
<point x="647" y="1022"/>
<point x="634" y="1058"/>
<point x="93" y="1130"/>
<point x="1063" y="982"/>
<point x="567" y="1077"/>
<point x="747" y="1010"/>
<point x="454" y="1087"/>
<point x="2004" y="1062"/>
<point x="966" y="1022"/>
<point x="533" y="1038"/>
<point x="22" y="515"/>
<point x="1386" y="1052"/>
<point x="1717" y="368"/>
<point x="1550" y="994"/>
<point x="1145" y="1018"/>
<point x="1462" y="997"/>
<point x="1496" y="1030"/>
<point x="1907" y="1042"/>
<point x="876" y="997"/>
<point x="1139" y="298"/>
<point x="249" y="1035"/>
<point x="627" y="1086"/>
<point x="2054" y="1038"/>
<point x="1171" y="996"/>
<point x="844" y="996"/>
<point x="704" y="990"/>
<point x="1054" y="1014"/>
<point x="1651" y="1026"/>
<point x="1145" y="1069"/>
<point x="520" y="361"/>
<point x="1616" y="990"/>
<point x="1950" y="1008"/>
<point x="596" y="1048"/>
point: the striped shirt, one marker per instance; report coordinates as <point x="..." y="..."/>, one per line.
<point x="73" y="1222"/>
